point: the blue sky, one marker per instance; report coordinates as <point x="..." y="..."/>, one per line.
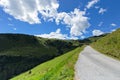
<point x="63" y="19"/>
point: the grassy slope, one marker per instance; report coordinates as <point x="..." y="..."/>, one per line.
<point x="22" y="45"/>
<point x="109" y="45"/>
<point x="60" y="68"/>
<point x="19" y="52"/>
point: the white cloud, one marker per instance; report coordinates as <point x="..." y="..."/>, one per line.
<point x="28" y="11"/>
<point x="113" y="24"/>
<point x="75" y="20"/>
<point x="48" y="8"/>
<point x="57" y="34"/>
<point x="91" y="3"/>
<point x="113" y="30"/>
<point x="100" y="24"/>
<point x="82" y="37"/>
<point x="97" y="32"/>
<point x="102" y="10"/>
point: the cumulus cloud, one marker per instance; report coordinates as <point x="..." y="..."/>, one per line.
<point x="73" y="37"/>
<point x="113" y="24"/>
<point x="57" y="34"/>
<point x="29" y="10"/>
<point x="102" y="10"/>
<point x="97" y="32"/>
<point x="75" y="20"/>
<point x="91" y="3"/>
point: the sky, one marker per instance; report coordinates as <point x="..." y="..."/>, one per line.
<point x="62" y="19"/>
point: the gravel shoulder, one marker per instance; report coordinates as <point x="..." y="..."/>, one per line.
<point x="92" y="65"/>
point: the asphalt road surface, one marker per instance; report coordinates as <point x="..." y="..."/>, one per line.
<point x="92" y="65"/>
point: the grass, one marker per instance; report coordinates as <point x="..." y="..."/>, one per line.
<point x="59" y="68"/>
<point x="109" y="45"/>
<point x="20" y="52"/>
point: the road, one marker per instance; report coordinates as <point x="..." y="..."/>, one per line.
<point x="92" y="65"/>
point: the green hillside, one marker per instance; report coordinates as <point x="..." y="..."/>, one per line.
<point x="60" y="68"/>
<point x="109" y="45"/>
<point x="92" y="39"/>
<point x="19" y="53"/>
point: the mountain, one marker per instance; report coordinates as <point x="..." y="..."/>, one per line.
<point x="59" y="68"/>
<point x="19" y="52"/>
<point x="109" y="44"/>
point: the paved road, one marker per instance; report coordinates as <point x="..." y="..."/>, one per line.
<point x="92" y="65"/>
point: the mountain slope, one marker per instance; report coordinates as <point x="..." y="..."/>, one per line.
<point x="19" y="52"/>
<point x="109" y="45"/>
<point x="60" y="68"/>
